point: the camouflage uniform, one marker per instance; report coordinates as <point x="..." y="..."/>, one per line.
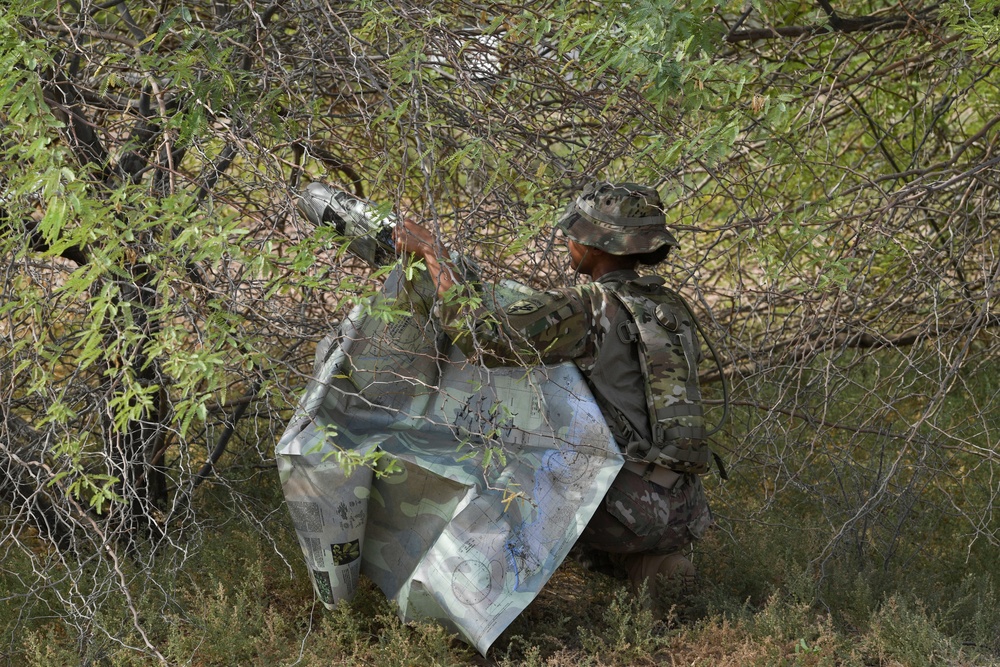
<point x="578" y="324"/>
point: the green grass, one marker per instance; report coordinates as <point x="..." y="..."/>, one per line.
<point x="788" y="577"/>
<point x="761" y="602"/>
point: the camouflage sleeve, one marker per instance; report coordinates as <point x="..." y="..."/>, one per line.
<point x="549" y="327"/>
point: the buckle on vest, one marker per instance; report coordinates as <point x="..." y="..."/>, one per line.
<point x="668" y="319"/>
<point x="628" y="332"/>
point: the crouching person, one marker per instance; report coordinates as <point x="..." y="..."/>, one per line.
<point x="634" y="341"/>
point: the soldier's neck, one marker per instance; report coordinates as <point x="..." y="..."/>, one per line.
<point x="606" y="263"/>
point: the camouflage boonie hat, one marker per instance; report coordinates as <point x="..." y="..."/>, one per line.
<point x="622" y="219"/>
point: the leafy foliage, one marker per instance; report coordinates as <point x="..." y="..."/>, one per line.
<point x="832" y="178"/>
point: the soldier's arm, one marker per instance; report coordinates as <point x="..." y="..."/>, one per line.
<point x="545" y="328"/>
<point x="417" y="240"/>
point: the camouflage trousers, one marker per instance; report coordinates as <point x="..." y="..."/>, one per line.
<point x="639" y="516"/>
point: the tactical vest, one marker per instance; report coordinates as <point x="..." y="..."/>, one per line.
<point x="663" y="327"/>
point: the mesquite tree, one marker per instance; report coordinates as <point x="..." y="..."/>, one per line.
<point x="832" y="179"/>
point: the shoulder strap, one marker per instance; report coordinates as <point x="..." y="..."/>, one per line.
<point x="663" y="327"/>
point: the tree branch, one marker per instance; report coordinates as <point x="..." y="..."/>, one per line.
<point x="36" y="243"/>
<point x="836" y="23"/>
<point x="857" y="340"/>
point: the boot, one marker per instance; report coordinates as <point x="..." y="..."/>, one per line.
<point x="669" y="578"/>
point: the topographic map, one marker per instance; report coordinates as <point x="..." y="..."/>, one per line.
<point x="484" y="478"/>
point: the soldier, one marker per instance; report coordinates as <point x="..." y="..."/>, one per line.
<point x="652" y="511"/>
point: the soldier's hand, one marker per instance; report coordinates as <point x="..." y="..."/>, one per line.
<point x="414" y="238"/>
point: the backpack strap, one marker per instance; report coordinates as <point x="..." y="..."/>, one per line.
<point x="663" y="328"/>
